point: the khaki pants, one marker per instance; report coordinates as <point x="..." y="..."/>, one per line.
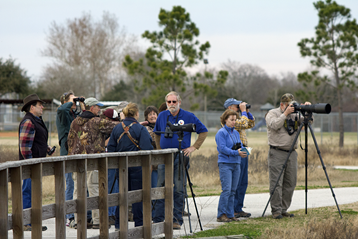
<point x="282" y="197"/>
<point x="92" y="186"/>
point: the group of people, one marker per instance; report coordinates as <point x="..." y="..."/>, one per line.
<point x="82" y="131"/>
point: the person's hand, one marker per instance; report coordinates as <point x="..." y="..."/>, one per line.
<point x="144" y="123"/>
<point x="121" y="115"/>
<point x="189" y="150"/>
<point x="242" y="154"/>
<point x="306" y="103"/>
<point x="242" y="106"/>
<point x="48" y="148"/>
<point x="289" y="110"/>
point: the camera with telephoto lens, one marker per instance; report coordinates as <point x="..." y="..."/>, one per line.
<point x="320" y="108"/>
<point x="81" y="99"/>
<point x="171" y="127"/>
<point x="236" y="146"/>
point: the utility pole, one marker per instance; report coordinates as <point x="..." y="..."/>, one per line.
<point x="205" y="103"/>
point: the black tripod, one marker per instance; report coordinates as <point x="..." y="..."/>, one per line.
<point x="307" y="117"/>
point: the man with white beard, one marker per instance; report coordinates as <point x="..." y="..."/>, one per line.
<point x="176" y="116"/>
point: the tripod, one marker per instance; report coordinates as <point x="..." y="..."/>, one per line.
<point x="307" y="117"/>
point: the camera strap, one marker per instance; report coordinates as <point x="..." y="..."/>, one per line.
<point x="126" y="131"/>
<point x="231" y="136"/>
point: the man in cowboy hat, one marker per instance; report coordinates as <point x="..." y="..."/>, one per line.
<point x="33" y="137"/>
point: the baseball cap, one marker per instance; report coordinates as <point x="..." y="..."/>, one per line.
<point x="231" y="101"/>
<point x="111" y="113"/>
<point x="92" y="101"/>
<point x="287" y="98"/>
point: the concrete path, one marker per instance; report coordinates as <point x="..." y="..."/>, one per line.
<point x="254" y="203"/>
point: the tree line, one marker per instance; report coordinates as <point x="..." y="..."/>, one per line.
<point x="101" y="59"/>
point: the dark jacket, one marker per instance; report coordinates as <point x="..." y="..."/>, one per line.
<point x="137" y="131"/>
<point x="64" y="118"/>
<point x="39" y="145"/>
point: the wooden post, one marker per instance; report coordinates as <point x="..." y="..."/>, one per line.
<point x="169" y="166"/>
<point x="81" y="198"/>
<point x="4" y="194"/>
<point x="103" y="197"/>
<point x="36" y="201"/>
<point x="60" y="183"/>
<point x="16" y="190"/>
<point x="123" y="197"/>
<point x="147" y="202"/>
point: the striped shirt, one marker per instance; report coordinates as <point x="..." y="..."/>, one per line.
<point x="26" y="138"/>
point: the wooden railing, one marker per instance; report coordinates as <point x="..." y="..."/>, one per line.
<point x="36" y="169"/>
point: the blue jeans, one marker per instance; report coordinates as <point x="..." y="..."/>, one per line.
<point x="111" y="183"/>
<point x="26" y="193"/>
<point x="178" y="194"/>
<point x="242" y="186"/>
<point x="134" y="183"/>
<point x="229" y="177"/>
<point x="69" y="192"/>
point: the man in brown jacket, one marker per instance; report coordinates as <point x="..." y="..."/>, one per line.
<point x="280" y="141"/>
<point x="87" y="136"/>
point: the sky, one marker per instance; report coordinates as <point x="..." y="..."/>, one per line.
<point x="264" y="33"/>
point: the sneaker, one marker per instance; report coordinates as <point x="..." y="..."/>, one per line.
<point x="234" y="219"/>
<point x="112" y="220"/>
<point x="29" y="228"/>
<point x="68" y="222"/>
<point x="286" y="214"/>
<point x="242" y="214"/>
<point x="277" y="216"/>
<point x="223" y="218"/>
<point x="96" y="226"/>
<point x="73" y="224"/>
<point x="176" y="226"/>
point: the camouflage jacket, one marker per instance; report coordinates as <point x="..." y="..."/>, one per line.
<point x="87" y="134"/>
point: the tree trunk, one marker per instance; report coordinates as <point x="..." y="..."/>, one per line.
<point x="340" y="112"/>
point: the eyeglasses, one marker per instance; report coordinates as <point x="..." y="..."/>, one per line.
<point x="171" y="101"/>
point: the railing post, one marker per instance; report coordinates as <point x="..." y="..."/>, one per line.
<point x="36" y="201"/>
<point x="168" y="225"/>
<point x="17" y="213"/>
<point x="81" y="199"/>
<point x="60" y="201"/>
<point x="147" y="202"/>
<point x="4" y="194"/>
<point x="103" y="197"/>
<point x="123" y="196"/>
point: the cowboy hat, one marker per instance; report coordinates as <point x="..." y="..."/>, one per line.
<point x="31" y="99"/>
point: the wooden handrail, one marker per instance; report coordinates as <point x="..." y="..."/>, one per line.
<point x="37" y="168"/>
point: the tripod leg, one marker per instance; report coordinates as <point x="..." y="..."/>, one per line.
<point x="324" y="168"/>
<point x="187" y="207"/>
<point x="283" y="167"/>
<point x="193" y="195"/>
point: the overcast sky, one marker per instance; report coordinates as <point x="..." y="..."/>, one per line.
<point x="259" y="32"/>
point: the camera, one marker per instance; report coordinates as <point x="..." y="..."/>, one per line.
<point x="81" y="99"/>
<point x="320" y="108"/>
<point x="51" y="151"/>
<point x="171" y="127"/>
<point x="236" y="146"/>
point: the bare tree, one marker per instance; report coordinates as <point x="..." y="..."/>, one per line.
<point x="86" y="54"/>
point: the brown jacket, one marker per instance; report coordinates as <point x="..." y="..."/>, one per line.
<point x="87" y="134"/>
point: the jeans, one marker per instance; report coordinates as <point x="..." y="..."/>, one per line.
<point x="134" y="183"/>
<point x="178" y="194"/>
<point x="69" y="192"/>
<point x="112" y="183"/>
<point x="229" y="177"/>
<point x="242" y="185"/>
<point x="154" y="185"/>
<point x="26" y="193"/>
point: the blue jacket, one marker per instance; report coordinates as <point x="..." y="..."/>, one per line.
<point x="183" y="117"/>
<point x="226" y="138"/>
<point x="137" y="131"/>
<point x="64" y="118"/>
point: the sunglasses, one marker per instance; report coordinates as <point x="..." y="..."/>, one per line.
<point x="171" y="101"/>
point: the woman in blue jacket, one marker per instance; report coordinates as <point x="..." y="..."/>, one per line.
<point x="136" y="139"/>
<point x="228" y="141"/>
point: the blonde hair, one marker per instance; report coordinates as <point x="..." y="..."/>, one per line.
<point x="173" y="93"/>
<point x="226" y="115"/>
<point x="131" y="110"/>
<point x="66" y="96"/>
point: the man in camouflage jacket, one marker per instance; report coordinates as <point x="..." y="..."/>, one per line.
<point x="87" y="136"/>
<point x="245" y="121"/>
